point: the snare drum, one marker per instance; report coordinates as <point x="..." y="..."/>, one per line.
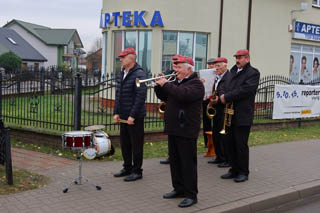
<point x="77" y="139"/>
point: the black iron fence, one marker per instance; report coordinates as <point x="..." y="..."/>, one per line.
<point x="5" y="152"/>
<point x="64" y="100"/>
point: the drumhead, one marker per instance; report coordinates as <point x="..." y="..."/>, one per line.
<point x="77" y="133"/>
<point x="90" y="153"/>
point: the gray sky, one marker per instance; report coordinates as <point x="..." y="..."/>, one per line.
<point x="82" y="15"/>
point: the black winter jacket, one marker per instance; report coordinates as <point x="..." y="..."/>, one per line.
<point x="242" y="89"/>
<point x="130" y="99"/>
<point x="183" y="106"/>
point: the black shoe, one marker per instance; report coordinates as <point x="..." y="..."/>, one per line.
<point x="241" y="178"/>
<point x="228" y="175"/>
<point x="224" y="165"/>
<point x="215" y="161"/>
<point x="187" y="202"/>
<point x="133" y="177"/>
<point x="166" y="161"/>
<point x="122" y="173"/>
<point x="173" y="194"/>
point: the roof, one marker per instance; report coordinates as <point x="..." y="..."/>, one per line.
<point x="48" y="35"/>
<point x="21" y="47"/>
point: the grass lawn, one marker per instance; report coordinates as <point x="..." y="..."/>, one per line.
<point x="22" y="181"/>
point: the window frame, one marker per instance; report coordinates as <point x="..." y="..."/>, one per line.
<point x="316" y="5"/>
<point x="178" y="41"/>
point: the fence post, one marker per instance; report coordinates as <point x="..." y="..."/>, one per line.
<point x="0" y="95"/>
<point x="8" y="156"/>
<point x="299" y="119"/>
<point x="77" y="102"/>
<point x="42" y="85"/>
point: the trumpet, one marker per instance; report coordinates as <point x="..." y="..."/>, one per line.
<point x="228" y="112"/>
<point x="171" y="77"/>
<point x="211" y="111"/>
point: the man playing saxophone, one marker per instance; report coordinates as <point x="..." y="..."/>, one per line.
<point x="223" y="76"/>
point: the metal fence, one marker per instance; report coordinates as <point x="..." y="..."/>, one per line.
<point x="5" y="152"/>
<point x="64" y="100"/>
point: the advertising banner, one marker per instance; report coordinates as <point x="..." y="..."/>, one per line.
<point x="296" y="101"/>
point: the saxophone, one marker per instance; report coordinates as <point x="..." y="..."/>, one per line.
<point x="211" y="111"/>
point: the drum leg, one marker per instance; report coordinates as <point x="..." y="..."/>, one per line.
<point x="80" y="180"/>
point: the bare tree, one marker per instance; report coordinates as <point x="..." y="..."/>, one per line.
<point x="97" y="44"/>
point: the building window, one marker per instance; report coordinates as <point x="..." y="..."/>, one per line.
<point x="189" y="44"/>
<point x="304" y="63"/>
<point x="140" y="41"/>
<point x="316" y="3"/>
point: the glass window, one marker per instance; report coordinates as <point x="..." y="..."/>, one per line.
<point x="186" y="44"/>
<point x="169" y="49"/>
<point x="117" y="51"/>
<point x="130" y="40"/>
<point x="140" y="41"/>
<point x="144" y="53"/>
<point x="201" y="51"/>
<point x="304" y="63"/>
<point x="183" y="43"/>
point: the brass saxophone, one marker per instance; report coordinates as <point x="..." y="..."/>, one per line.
<point x="228" y="112"/>
<point x="211" y="111"/>
<point x="162" y="107"/>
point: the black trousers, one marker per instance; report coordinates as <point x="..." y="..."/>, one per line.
<point x="238" y="149"/>
<point x="206" y="121"/>
<point x="131" y="141"/>
<point x="183" y="165"/>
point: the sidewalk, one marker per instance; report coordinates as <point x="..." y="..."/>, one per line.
<point x="279" y="173"/>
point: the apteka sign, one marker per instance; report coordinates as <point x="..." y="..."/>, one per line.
<point x="307" y="31"/>
<point x="129" y="19"/>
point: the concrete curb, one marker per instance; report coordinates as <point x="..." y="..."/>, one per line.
<point x="269" y="200"/>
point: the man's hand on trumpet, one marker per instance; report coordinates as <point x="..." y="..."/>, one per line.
<point x="161" y="81"/>
<point x="130" y="120"/>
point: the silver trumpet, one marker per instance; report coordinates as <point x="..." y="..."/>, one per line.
<point x="171" y="77"/>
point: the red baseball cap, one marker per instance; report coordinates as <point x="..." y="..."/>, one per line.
<point x="220" y="59"/>
<point x="175" y="57"/>
<point x="184" y="59"/>
<point x="241" y="52"/>
<point x="126" y="52"/>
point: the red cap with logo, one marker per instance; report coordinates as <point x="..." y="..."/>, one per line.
<point x="220" y="59"/>
<point x="126" y="52"/>
<point x="241" y="52"/>
<point x="184" y="59"/>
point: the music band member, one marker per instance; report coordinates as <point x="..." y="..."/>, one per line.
<point x="174" y="58"/>
<point x="206" y="122"/>
<point x="182" y="125"/>
<point x="223" y="76"/>
<point x="241" y="92"/>
<point x="130" y="105"/>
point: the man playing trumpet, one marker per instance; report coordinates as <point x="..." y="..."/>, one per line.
<point x="182" y="124"/>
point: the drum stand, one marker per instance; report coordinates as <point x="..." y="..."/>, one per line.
<point x="79" y="180"/>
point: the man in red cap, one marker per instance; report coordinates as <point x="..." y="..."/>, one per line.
<point x="183" y="99"/>
<point x="130" y="105"/>
<point x="223" y="76"/>
<point x="241" y="92"/>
